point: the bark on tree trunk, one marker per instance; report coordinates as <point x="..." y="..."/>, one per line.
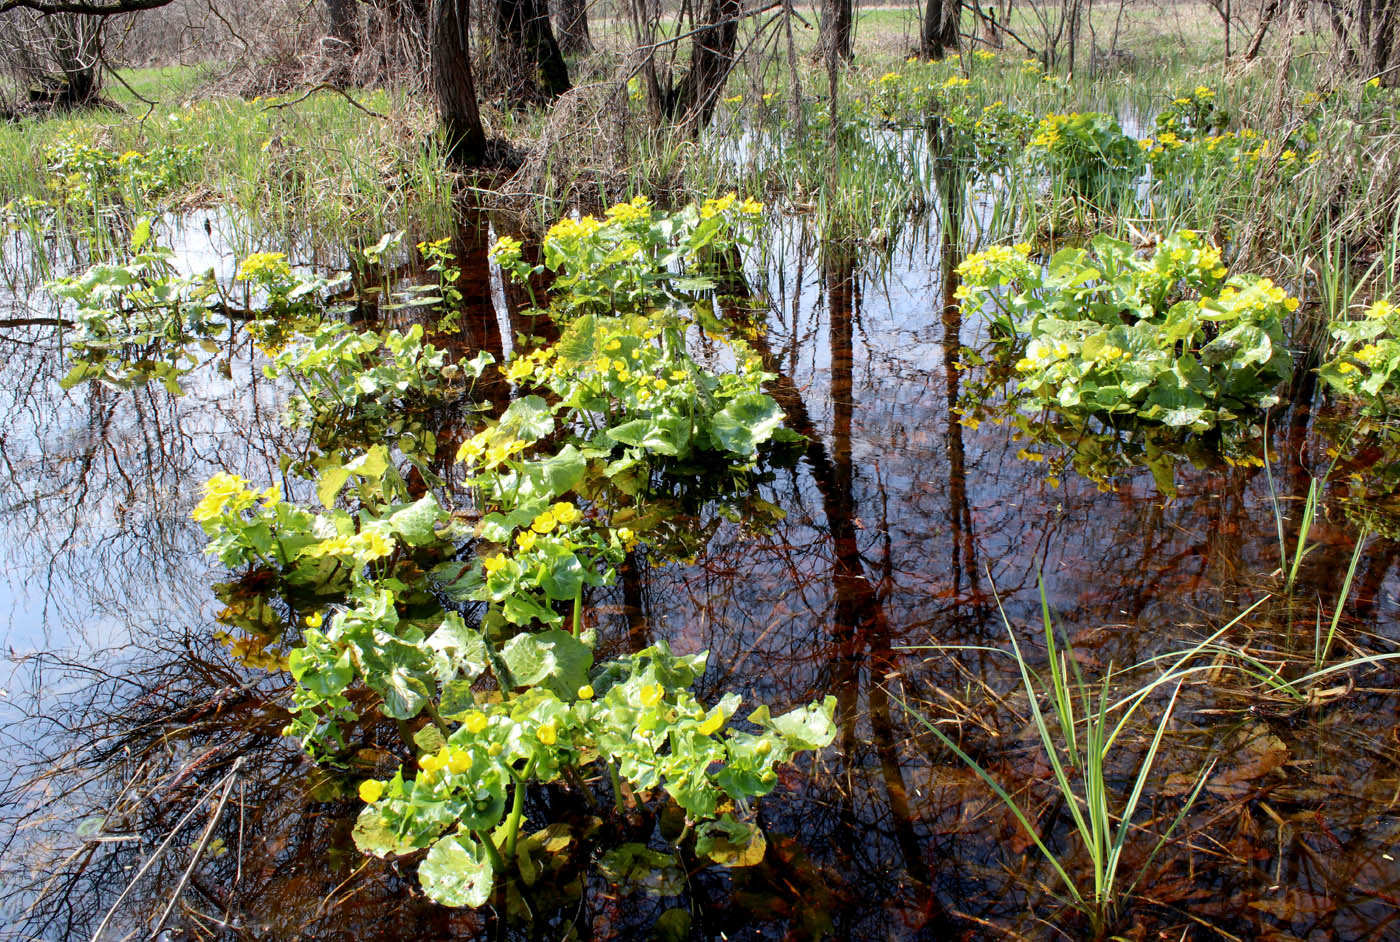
<point x="345" y="23"/>
<point x="836" y="29"/>
<point x="451" y="78"/>
<point x="525" y="25"/>
<point x="711" y="58"/>
<point x="940" y="30"/>
<point x="571" y="19"/>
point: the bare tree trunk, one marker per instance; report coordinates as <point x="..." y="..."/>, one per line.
<point x="940" y="29"/>
<point x="345" y="23"/>
<point x="524" y="24"/>
<point x="571" y="19"/>
<point x="836" y="29"/>
<point x="711" y="58"/>
<point x="451" y="78"/>
<point x="1266" y="19"/>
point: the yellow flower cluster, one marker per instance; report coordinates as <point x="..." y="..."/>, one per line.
<point x="365" y="546"/>
<point x="489" y="448"/>
<point x="220" y="491"/>
<point x="265" y="266"/>
<point x="977" y="266"/>
<point x="715" y="207"/>
<point x="560" y="514"/>
<point x="638" y="208"/>
<point x="1261" y="295"/>
<point x="567" y="228"/>
<point x="505" y="250"/>
<point x="454" y="760"/>
<point x="956" y="81"/>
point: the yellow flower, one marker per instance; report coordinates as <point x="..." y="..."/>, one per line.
<point x="1368" y="353"/>
<point x="1291" y="304"/>
<point x="1344" y="367"/>
<point x="750" y="207"/>
<point x="493" y="564"/>
<point x="629" y="212"/>
<point x="525" y="540"/>
<point x="315" y="620"/>
<point x="505" y="249"/>
<point x="474" y="722"/>
<point x="548" y="733"/>
<point x="1374" y="83"/>
<point x="651" y="694"/>
<point x="371" y="790"/>
<point x="544" y="523"/>
<point x="458" y="762"/>
<point x="585" y="692"/>
<point x="264" y="265"/>
<point x="565" y="512"/>
<point x="218" y="491"/>
<point x="713" y="208"/>
<point x="712" y="723"/>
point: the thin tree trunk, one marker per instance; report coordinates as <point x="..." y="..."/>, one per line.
<point x="1266" y="19"/>
<point x="571" y="19"/>
<point x="940" y="28"/>
<point x="836" y="29"/>
<point x="451" y="79"/>
<point x="525" y="25"/>
<point x="711" y="58"/>
<point x="345" y="23"/>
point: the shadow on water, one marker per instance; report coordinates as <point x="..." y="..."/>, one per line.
<point x="128" y="728"/>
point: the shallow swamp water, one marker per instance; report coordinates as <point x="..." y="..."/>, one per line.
<point x="882" y="565"/>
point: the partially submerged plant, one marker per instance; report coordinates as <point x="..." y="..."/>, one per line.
<point x="1364" y="362"/>
<point x="460" y="613"/>
<point x="1173" y="339"/>
<point x="1078" y="730"/>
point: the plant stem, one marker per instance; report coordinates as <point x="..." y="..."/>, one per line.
<point x="517" y="808"/>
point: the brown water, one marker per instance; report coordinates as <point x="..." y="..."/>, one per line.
<point x="904" y="526"/>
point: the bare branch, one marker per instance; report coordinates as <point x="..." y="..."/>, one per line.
<point x="78" y="6"/>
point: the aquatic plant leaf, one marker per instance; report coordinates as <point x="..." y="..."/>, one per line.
<point x="809" y="727"/>
<point x="457" y="872"/>
<point x="572" y="661"/>
<point x="460" y="650"/>
<point x="662" y="437"/>
<point x="558" y="474"/>
<point x="747" y="422"/>
<point x="397" y="670"/>
<point x="530" y="417"/>
<point x="528" y="659"/>
<point x="416" y="523"/>
<point x="638" y="867"/>
<point x="730" y="843"/>
<point x="429" y="739"/>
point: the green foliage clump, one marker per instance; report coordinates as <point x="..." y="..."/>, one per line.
<point x="1172" y="339"/>
<point x="1192" y="114"/>
<point x="1089" y="151"/>
<point x="461" y="610"/>
<point x="1364" y="361"/>
<point x="86" y="176"/>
